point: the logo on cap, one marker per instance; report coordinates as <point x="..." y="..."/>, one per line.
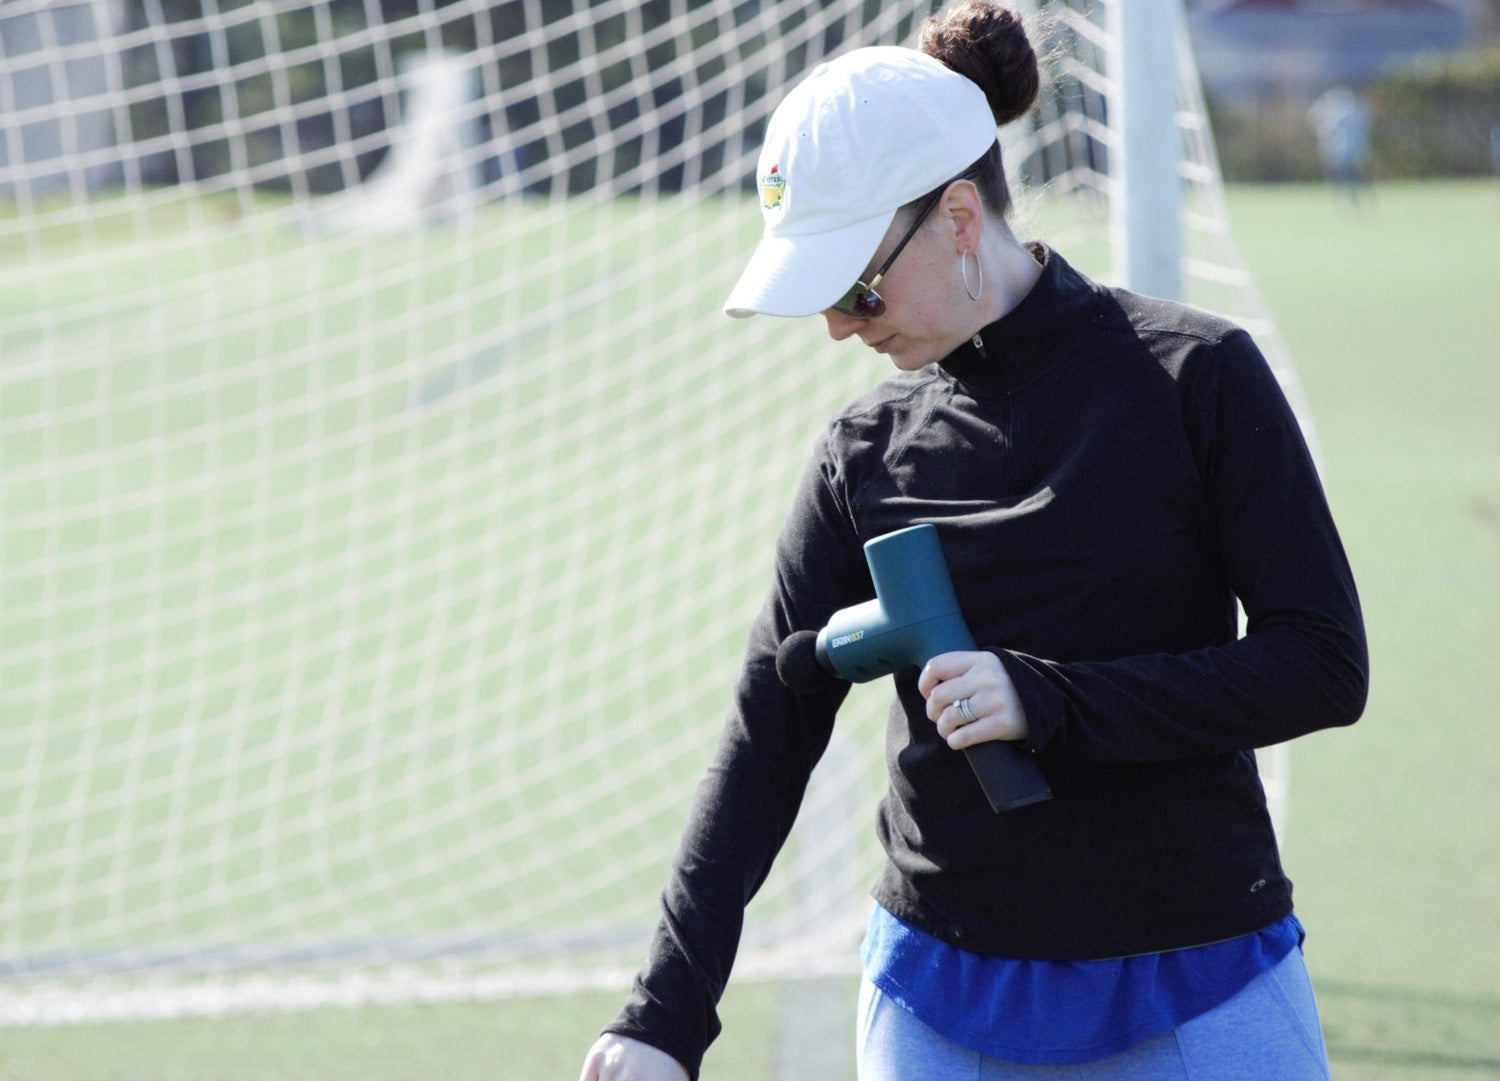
<point x="772" y="188"/>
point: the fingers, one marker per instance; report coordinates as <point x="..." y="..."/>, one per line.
<point x="951" y="717"/>
<point x="947" y="666"/>
<point x="618" y="1058"/>
<point x="591" y="1065"/>
<point x="946" y="696"/>
<point x="993" y="720"/>
<point x="990" y="726"/>
<point x="976" y="679"/>
<point x="949" y="677"/>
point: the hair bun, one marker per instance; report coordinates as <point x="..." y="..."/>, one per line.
<point x="987" y="44"/>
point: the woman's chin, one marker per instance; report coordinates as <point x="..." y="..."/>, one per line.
<point x="909" y="358"/>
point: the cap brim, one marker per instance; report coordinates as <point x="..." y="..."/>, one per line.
<point x="802" y="275"/>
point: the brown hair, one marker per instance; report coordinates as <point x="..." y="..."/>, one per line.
<point x="987" y="44"/>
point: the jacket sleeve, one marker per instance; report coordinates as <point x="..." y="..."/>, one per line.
<point x="745" y="805"/>
<point x="1302" y="664"/>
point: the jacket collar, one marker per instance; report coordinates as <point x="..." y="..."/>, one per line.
<point x="1032" y="336"/>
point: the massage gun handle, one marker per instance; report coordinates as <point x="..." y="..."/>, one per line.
<point x="914" y="592"/>
<point x="1008" y="774"/>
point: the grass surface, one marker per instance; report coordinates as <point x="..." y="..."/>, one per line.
<point x="1394" y="835"/>
<point x="1394" y="831"/>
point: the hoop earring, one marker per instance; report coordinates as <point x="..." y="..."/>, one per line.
<point x="963" y="263"/>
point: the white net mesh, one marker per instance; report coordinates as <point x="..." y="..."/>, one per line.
<point x="383" y="499"/>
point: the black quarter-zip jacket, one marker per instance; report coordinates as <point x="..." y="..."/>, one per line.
<point x="1107" y="473"/>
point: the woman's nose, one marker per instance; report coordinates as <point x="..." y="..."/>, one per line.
<point x="840" y="326"/>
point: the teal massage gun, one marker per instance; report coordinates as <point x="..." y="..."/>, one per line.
<point x="914" y="617"/>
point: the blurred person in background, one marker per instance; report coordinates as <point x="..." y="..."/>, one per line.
<point x="1341" y="120"/>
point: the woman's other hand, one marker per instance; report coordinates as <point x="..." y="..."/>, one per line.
<point x="951" y="680"/>
<point x="619" y="1058"/>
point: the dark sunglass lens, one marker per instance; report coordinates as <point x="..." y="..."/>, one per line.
<point x="849" y="302"/>
<point x="860" y="301"/>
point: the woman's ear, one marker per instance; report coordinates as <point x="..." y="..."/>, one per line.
<point x="963" y="213"/>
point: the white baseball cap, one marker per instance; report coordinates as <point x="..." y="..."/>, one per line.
<point x="856" y="140"/>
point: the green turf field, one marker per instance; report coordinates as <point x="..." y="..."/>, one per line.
<point x="1394" y="838"/>
<point x="1394" y="833"/>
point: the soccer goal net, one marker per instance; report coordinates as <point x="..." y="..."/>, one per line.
<point x="384" y="499"/>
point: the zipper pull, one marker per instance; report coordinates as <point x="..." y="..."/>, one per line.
<point x="978" y="344"/>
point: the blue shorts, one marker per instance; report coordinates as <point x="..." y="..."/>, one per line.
<point x="1269" y="1031"/>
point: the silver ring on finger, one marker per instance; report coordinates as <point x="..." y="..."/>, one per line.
<point x="962" y="705"/>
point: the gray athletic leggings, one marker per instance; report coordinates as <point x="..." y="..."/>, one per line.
<point x="1267" y="1032"/>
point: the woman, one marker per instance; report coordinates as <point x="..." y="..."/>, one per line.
<point x="1107" y="472"/>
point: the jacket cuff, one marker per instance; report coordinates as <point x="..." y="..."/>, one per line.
<point x="1044" y="705"/>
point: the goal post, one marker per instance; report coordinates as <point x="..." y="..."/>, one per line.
<point x="368" y="434"/>
<point x="1146" y="215"/>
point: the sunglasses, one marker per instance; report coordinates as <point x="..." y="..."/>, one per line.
<point x="862" y="301"/>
